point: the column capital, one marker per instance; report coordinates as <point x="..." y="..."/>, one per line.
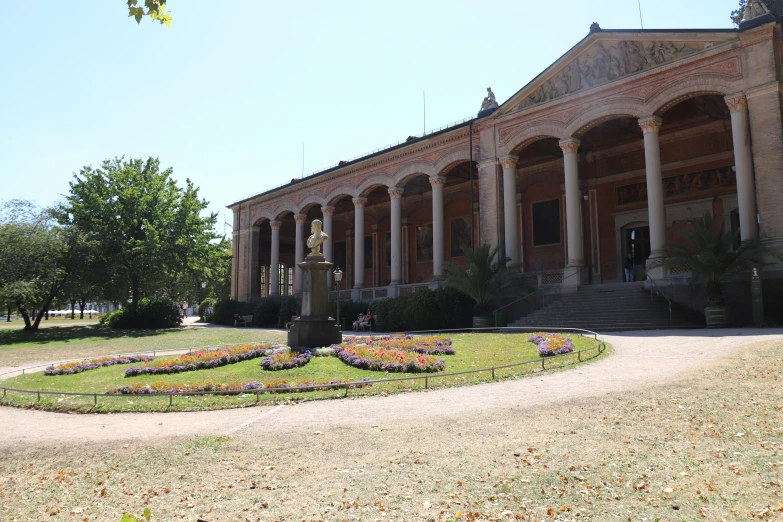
<point x="327" y="211"/>
<point x="438" y="181"/>
<point x="569" y="145"/>
<point x="650" y="124"/>
<point x="275" y="225"/>
<point x="396" y="192"/>
<point x="737" y="102"/>
<point x="359" y="202"/>
<point x="300" y="218"/>
<point x="509" y="162"/>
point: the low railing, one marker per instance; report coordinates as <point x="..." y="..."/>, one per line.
<point x="658" y="289"/>
<point x="381" y="292"/>
<point x="543" y="278"/>
<point x="404" y="290"/>
<point x="599" y="346"/>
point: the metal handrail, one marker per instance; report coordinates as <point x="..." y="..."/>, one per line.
<point x="360" y="156"/>
<point x="539" y="290"/>
<point x="658" y="288"/>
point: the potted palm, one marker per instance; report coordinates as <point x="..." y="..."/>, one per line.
<point x="713" y="256"/>
<point x="483" y="279"/>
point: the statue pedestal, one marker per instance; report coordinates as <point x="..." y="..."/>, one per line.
<point x="314" y="328"/>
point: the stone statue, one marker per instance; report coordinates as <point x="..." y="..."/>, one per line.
<point x="489" y="101"/>
<point x="317" y="238"/>
<point x="754" y="9"/>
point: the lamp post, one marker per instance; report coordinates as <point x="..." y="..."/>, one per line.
<point x="338" y="276"/>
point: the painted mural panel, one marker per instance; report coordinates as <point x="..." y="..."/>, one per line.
<point x="680" y="185"/>
<point x="424" y="243"/>
<point x="461" y="232"/>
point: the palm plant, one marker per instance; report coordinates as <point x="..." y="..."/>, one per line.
<point x="485" y="278"/>
<point x="711" y="256"/>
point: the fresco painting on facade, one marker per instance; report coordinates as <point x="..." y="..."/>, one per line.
<point x="461" y="232"/>
<point x="424" y="243"/>
<point x="679" y="185"/>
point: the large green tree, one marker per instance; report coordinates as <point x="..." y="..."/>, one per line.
<point x="150" y="232"/>
<point x="37" y="257"/>
<point x="775" y="6"/>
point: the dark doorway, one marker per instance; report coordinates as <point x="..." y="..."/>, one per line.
<point x="637" y="242"/>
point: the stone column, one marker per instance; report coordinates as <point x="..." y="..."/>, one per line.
<point x="438" y="226"/>
<point x="651" y="125"/>
<point x="743" y="163"/>
<point x="299" y="251"/>
<point x="254" y="291"/>
<point x="328" y="245"/>
<point x="395" y="194"/>
<point x="274" y="271"/>
<point x="509" y="164"/>
<point x="573" y="276"/>
<point x="489" y="203"/>
<point x="358" y="247"/>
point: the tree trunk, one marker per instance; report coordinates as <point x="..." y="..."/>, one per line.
<point x="135" y="289"/>
<point x="82" y="303"/>
<point x="25" y="315"/>
<point x="73" y="309"/>
<point x="8" y="318"/>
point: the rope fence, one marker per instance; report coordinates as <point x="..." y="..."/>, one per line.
<point x="599" y="346"/>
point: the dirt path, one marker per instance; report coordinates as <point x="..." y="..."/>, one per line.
<point x="640" y="359"/>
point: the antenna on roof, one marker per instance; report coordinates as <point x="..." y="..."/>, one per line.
<point x="226" y="224"/>
<point x="424" y="99"/>
<point x="640" y="12"/>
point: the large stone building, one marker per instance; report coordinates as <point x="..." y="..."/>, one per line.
<point x="607" y="152"/>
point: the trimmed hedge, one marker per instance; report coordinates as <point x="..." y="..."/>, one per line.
<point x="203" y="307"/>
<point x="440" y="309"/>
<point x="148" y="313"/>
<point x="266" y="312"/>
<point x="223" y="311"/>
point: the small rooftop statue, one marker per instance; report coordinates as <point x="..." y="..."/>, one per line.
<point x="594" y="27"/>
<point x="489" y="101"/>
<point x="317" y="238"/>
<point x="754" y="9"/>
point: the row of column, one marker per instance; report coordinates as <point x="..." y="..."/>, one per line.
<point x="650" y="125"/>
<point x="395" y="196"/>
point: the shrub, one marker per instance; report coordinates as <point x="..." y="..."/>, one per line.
<point x="289" y="307"/>
<point x="161" y="312"/>
<point x="204" y="306"/>
<point x="224" y="309"/>
<point x="266" y="312"/>
<point x="440" y="309"/>
<point x="349" y="310"/>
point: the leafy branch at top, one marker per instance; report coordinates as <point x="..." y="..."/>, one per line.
<point x="155" y="9"/>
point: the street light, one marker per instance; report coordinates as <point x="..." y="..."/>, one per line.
<point x="338" y="276"/>
<point x="203" y="285"/>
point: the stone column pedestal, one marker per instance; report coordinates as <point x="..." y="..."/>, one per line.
<point x="314" y="328"/>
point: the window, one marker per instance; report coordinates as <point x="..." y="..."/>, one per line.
<point x="262" y="281"/>
<point x="367" y="251"/>
<point x="281" y="278"/>
<point x="546" y="222"/>
<point x="290" y="289"/>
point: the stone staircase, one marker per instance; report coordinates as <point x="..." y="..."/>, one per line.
<point x="612" y="307"/>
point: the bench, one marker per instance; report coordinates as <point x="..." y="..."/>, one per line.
<point x="243" y="320"/>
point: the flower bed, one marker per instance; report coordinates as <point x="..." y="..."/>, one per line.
<point x="71" y="368"/>
<point x="382" y="359"/>
<point x="431" y="345"/>
<point x="285" y="360"/>
<point x="235" y="388"/>
<point x="202" y="360"/>
<point x="551" y="344"/>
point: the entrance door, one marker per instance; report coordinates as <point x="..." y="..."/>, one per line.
<point x="637" y="242"/>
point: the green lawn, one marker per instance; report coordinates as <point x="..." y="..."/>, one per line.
<point x="60" y="340"/>
<point x="474" y="351"/>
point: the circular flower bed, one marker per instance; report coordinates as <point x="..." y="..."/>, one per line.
<point x="550" y="344"/>
<point x="201" y="360"/>
<point x="285" y="360"/>
<point x="71" y="368"/>
<point x="381" y="359"/>
<point x="431" y="345"/>
<point x="234" y="388"/>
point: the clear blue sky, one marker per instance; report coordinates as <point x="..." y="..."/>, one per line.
<point x="226" y="97"/>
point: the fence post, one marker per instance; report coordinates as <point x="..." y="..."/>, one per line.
<point x="493" y="373"/>
<point x="171" y="399"/>
<point x="256" y="396"/>
<point x="346" y="390"/>
<point x="542" y="363"/>
<point x="95" y="399"/>
<point x="426" y="382"/>
<point x="39" y="396"/>
<point x="579" y="353"/>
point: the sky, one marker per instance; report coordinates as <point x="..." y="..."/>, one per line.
<point x="228" y="95"/>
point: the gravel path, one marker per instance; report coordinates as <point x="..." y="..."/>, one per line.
<point x="640" y="359"/>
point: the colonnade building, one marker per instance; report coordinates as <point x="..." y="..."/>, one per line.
<point x="606" y="153"/>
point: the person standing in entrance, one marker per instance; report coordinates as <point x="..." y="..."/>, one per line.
<point x="628" y="268"/>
